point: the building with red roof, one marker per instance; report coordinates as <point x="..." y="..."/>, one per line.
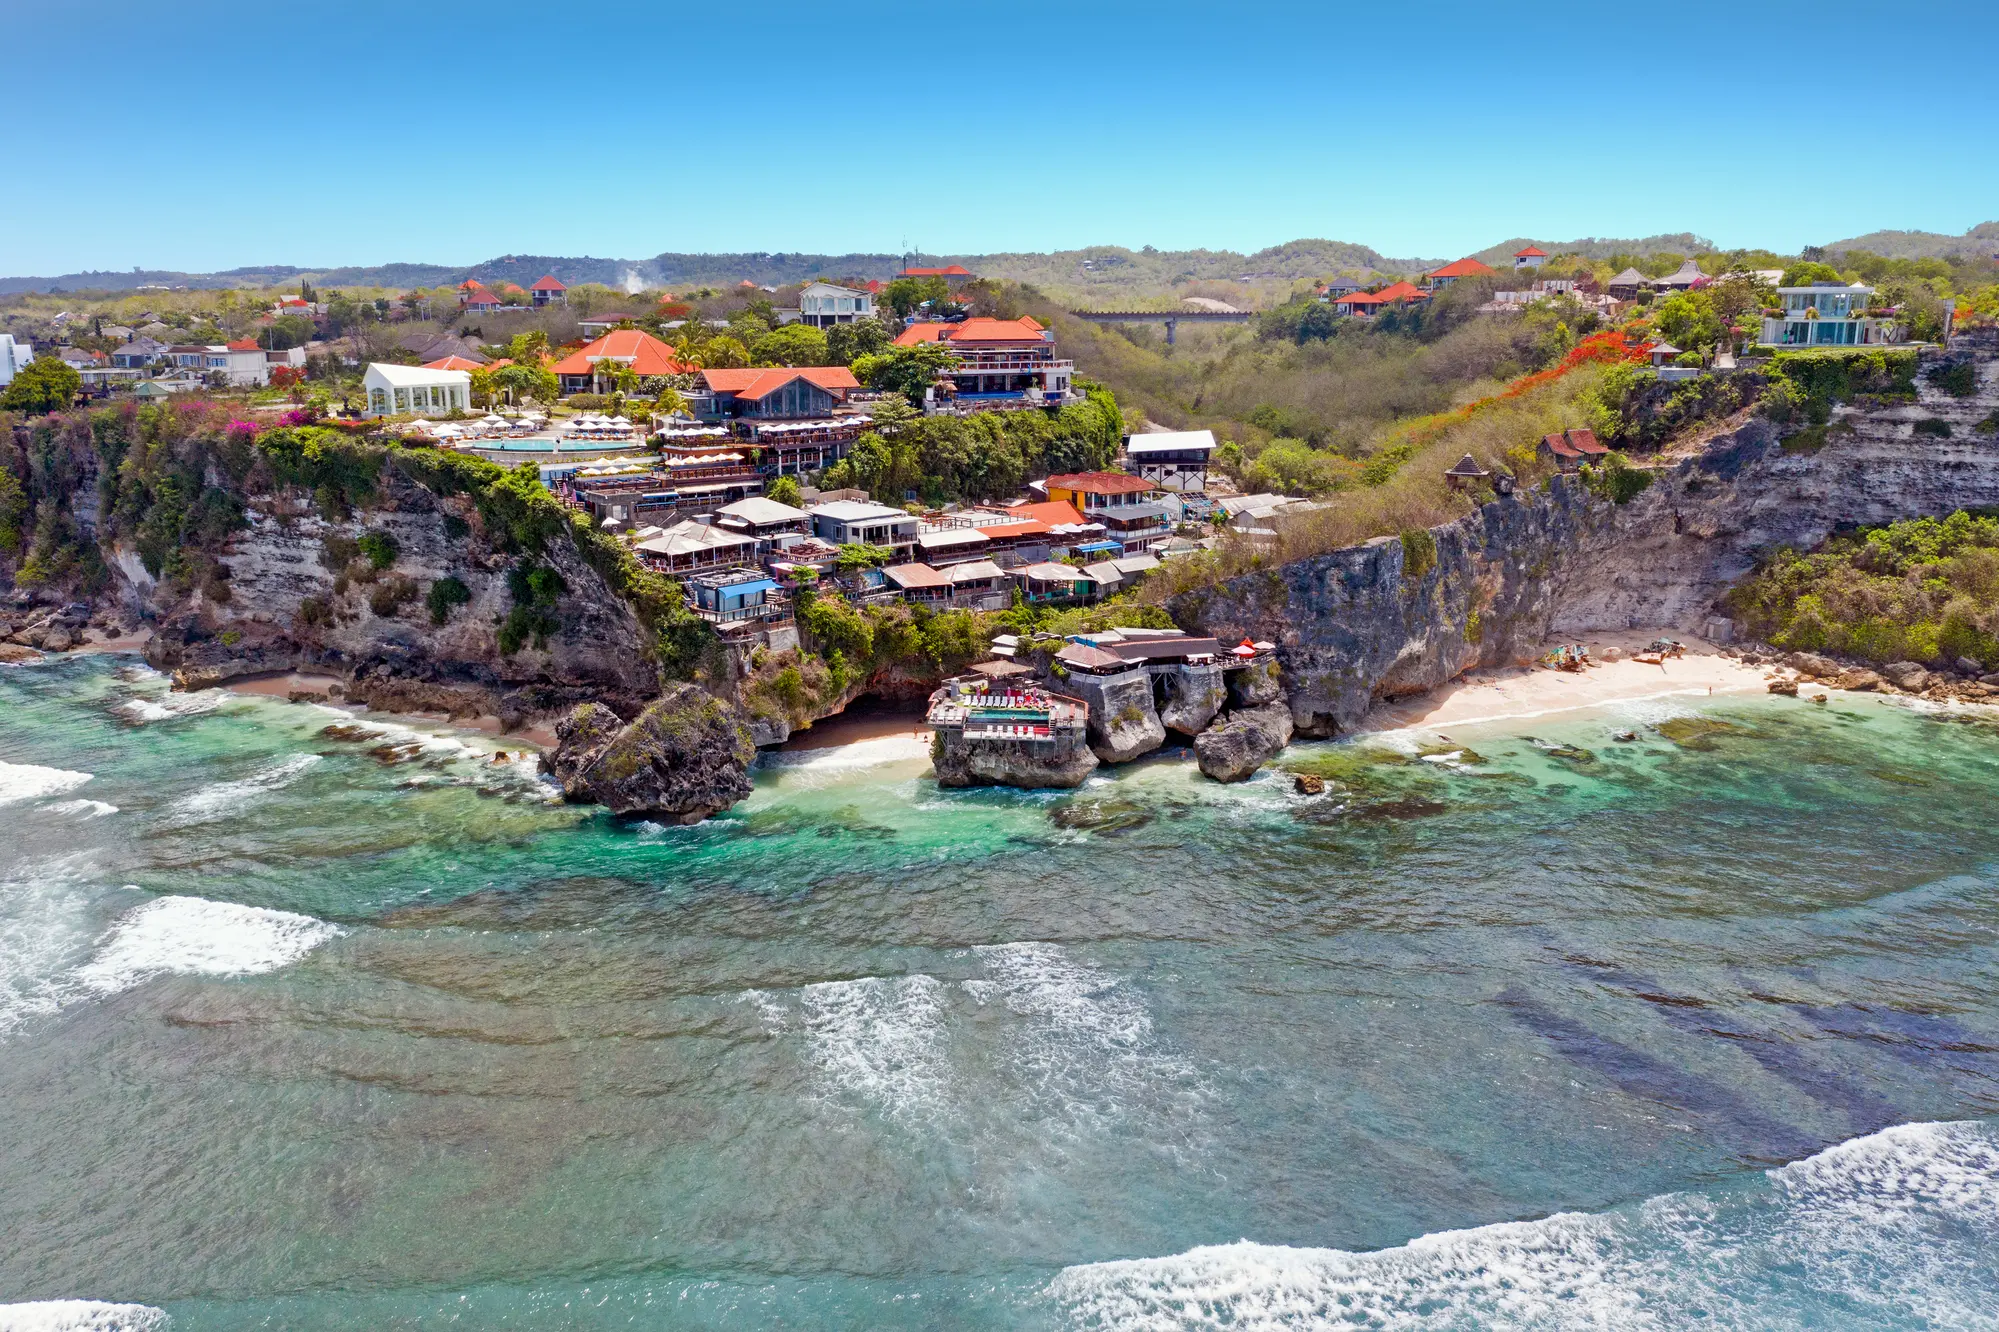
<point x="454" y="363"/>
<point x="1463" y="268"/>
<point x="549" y="291"/>
<point x="648" y="357"/>
<point x="1000" y="362"/>
<point x="954" y="275"/>
<point x="794" y="414"/>
<point x="1531" y="257"/>
<point x="1128" y="506"/>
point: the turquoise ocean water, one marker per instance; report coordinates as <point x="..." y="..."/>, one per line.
<point x="1522" y="1028"/>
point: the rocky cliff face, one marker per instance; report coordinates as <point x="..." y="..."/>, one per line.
<point x="961" y="762"/>
<point x="288" y="608"/>
<point x="1364" y="623"/>
<point x="685" y="757"/>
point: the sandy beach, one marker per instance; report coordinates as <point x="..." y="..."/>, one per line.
<point x="1501" y="694"/>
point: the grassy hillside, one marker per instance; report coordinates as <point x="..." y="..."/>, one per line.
<point x="1981" y="242"/>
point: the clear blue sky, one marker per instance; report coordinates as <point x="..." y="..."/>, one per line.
<point x="208" y="135"/>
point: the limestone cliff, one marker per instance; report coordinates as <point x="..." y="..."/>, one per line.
<point x="293" y="602"/>
<point x="685" y="757"/>
<point x="1366" y="622"/>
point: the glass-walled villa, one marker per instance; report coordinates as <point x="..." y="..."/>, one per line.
<point x="1828" y="314"/>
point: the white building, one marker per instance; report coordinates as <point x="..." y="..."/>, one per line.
<point x="14" y="356"/>
<point x="846" y="522"/>
<point x="1172" y="459"/>
<point x="396" y="390"/>
<point x="822" y="305"/>
<point x="1828" y="314"/>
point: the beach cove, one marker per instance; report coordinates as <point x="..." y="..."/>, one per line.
<point x="1514" y="1025"/>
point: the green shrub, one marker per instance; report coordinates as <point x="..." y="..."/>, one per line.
<point x="1932" y="427"/>
<point x="1419" y="552"/>
<point x="1959" y="380"/>
<point x="314" y="611"/>
<point x="379" y="547"/>
<point x="1616" y="480"/>
<point x="445" y="593"/>
<point x="456" y="528"/>
<point x="391" y="595"/>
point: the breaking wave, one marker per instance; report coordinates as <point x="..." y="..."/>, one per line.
<point x="1892" y="1230"/>
<point x="89" y="809"/>
<point x="29" y="781"/>
<point x="80" y="1316"/>
<point x="225" y="798"/>
<point x="143" y="711"/>
<point x="881" y="1038"/>
<point x="194" y="936"/>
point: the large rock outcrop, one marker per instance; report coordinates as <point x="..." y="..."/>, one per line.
<point x="1124" y="725"/>
<point x="1241" y="742"/>
<point x="957" y="761"/>
<point x="1194" y="694"/>
<point x="685" y="757"/>
<point x="1363" y="623"/>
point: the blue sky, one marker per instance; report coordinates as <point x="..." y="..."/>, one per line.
<point x="209" y="135"/>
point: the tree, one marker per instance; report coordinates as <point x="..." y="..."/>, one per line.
<point x="794" y="344"/>
<point x="520" y="382"/>
<point x="847" y="343"/>
<point x="784" y="490"/>
<point x="44" y="384"/>
<point x="857" y="555"/>
<point x="723" y="353"/>
<point x="613" y="376"/>
<point x="528" y="348"/>
<point x="904" y="295"/>
<point x="286" y="331"/>
<point x="1689" y="319"/>
<point x="1805" y="274"/>
<point x="909" y="371"/>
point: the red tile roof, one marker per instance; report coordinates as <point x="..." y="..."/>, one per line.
<point x="974" y="331"/>
<point x="952" y="270"/>
<point x="1530" y="252"/>
<point x="1100" y="483"/>
<point x="1402" y="291"/>
<point x="471" y="284"/>
<point x="1559" y="446"/>
<point x="761" y="383"/>
<point x="1583" y="441"/>
<point x="1362" y="298"/>
<point x="548" y="283"/>
<point x="482" y="297"/>
<point x="1053" y="512"/>
<point x="646" y="354"/>
<point x="452" y="363"/>
<point x="246" y="344"/>
<point x="1463" y="268"/>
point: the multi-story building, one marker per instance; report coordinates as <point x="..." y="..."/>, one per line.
<point x="1127" y="506"/>
<point x="796" y="415"/>
<point x="852" y="522"/>
<point x="1828" y="314"/>
<point x="549" y="291"/>
<point x="1172" y="459"/>
<point x="1000" y="362"/>
<point x="14" y="357"/>
<point x="822" y="305"/>
<point x="631" y="348"/>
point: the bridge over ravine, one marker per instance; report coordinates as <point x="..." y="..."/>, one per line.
<point x="1171" y="318"/>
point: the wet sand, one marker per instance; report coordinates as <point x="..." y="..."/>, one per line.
<point x="1498" y="695"/>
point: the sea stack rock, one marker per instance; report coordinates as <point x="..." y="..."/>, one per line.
<point x="685" y="757"/>
<point x="1243" y="741"/>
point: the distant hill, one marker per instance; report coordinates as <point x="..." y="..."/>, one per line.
<point x="1081" y="274"/>
<point x="1981" y="242"/>
<point x="1592" y="247"/>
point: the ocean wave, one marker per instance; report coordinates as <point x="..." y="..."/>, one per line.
<point x="30" y="781"/>
<point x="853" y="757"/>
<point x="1891" y="1230"/>
<point x="43" y="928"/>
<point x="1088" y="1043"/>
<point x="881" y="1038"/>
<point x="223" y="798"/>
<point x="144" y="710"/>
<point x="89" y="809"/>
<point x="80" y="1316"/>
<point x="194" y="936"/>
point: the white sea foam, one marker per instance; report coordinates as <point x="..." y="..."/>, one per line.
<point x="194" y="936"/>
<point x="30" y="781"/>
<point x="147" y="709"/>
<point x="44" y="927"/>
<point x="88" y="809"/>
<point x="834" y="760"/>
<point x="1893" y="1229"/>
<point x="881" y="1038"/>
<point x="80" y="1316"/>
<point x="224" y="798"/>
<point x="1087" y="1043"/>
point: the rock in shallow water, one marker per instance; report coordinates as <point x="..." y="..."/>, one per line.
<point x="1243" y="741"/>
<point x="685" y="757"/>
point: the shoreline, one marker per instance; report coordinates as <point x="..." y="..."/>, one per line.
<point x="1520" y="693"/>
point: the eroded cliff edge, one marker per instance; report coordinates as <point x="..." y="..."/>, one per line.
<point x="1371" y="622"/>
